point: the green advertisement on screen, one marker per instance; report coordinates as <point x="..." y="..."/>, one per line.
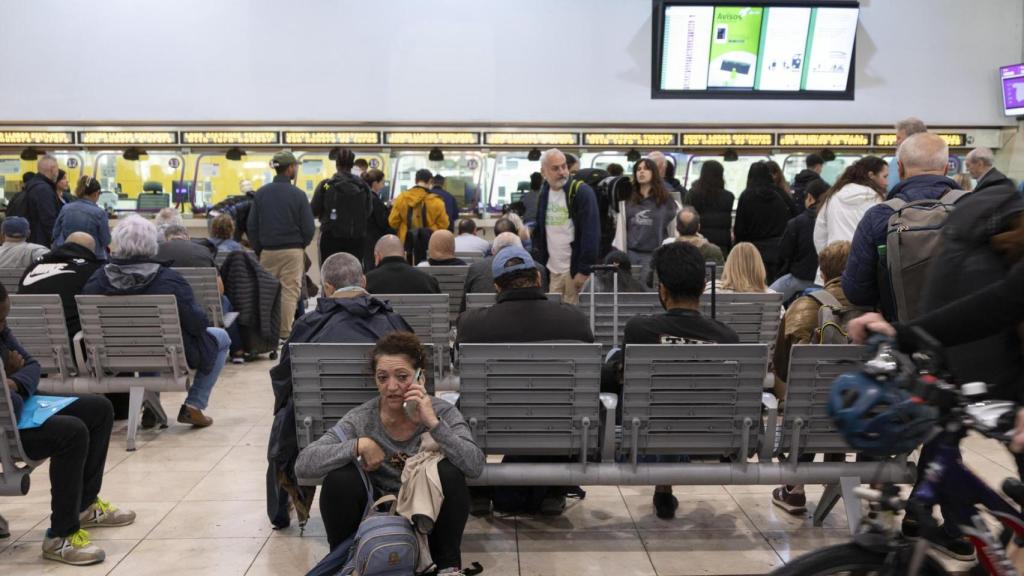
<point x="735" y="39"/>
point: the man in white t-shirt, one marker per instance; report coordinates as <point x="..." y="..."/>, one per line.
<point x="468" y="241"/>
<point x="568" y="234"/>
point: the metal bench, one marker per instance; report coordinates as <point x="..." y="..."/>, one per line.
<point x="137" y="335"/>
<point x="15" y="465"/>
<point x="608" y="312"/>
<point x="11" y="278"/>
<point x="696" y="400"/>
<point x="328" y="380"/>
<point x="754" y="317"/>
<point x="533" y="399"/>
<point x="452" y="280"/>
<point x="427" y="314"/>
<point x="806" y="427"/>
<point x="38" y="323"/>
<point x="204" y="285"/>
<point x="484" y="300"/>
<point x="470" y="257"/>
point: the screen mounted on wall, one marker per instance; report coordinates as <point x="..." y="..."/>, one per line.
<point x="779" y="49"/>
<point x="1012" y="78"/>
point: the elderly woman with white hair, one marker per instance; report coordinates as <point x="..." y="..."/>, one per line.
<point x="164" y="219"/>
<point x="133" y="271"/>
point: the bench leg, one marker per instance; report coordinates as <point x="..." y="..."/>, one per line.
<point x="135" y="397"/>
<point x="851" y="502"/>
<point x="5" y="529"/>
<point x="826" y="503"/>
<point x="152" y="401"/>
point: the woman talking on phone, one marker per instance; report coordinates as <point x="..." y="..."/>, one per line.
<point x="380" y="435"/>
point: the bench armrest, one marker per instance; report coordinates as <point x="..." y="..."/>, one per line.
<point x="79" y="353"/>
<point x="610" y="404"/>
<point x="770" y="404"/>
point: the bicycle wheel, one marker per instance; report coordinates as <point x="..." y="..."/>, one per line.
<point x="851" y="560"/>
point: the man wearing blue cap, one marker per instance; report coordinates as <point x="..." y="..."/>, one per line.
<point x="17" y="251"/>
<point x="522" y="313"/>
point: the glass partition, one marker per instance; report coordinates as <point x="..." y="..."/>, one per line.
<point x="12" y="169"/>
<point x="463" y="172"/>
<point x="127" y="178"/>
<point x="317" y="166"/>
<point x="511" y="179"/>
<point x="217" y="177"/>
<point x="795" y="163"/>
<point x="735" y="172"/>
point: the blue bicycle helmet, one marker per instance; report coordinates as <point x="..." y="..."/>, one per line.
<point x="878" y="418"/>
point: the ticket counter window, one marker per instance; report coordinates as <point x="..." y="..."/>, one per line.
<point x="152" y="173"/>
<point x="463" y="173"/>
<point x="317" y="167"/>
<point x="795" y="163"/>
<point x="218" y="178"/>
<point x="511" y="180"/>
<point x="13" y="168"/>
<point x="735" y="171"/>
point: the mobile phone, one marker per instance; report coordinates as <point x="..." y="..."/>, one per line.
<point x="410" y="406"/>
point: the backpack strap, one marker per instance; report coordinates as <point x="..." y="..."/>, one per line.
<point x="953" y="195"/>
<point x="825" y="299"/>
<point x="896" y="204"/>
<point x="340" y="433"/>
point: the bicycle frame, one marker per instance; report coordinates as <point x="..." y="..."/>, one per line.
<point x="950" y="484"/>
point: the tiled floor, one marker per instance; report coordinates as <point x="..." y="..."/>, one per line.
<point x="199" y="495"/>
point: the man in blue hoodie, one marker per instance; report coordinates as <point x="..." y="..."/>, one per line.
<point x="567" y="236"/>
<point x="346" y="313"/>
<point x="921" y="160"/>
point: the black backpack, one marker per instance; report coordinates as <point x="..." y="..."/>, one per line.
<point x="417" y="238"/>
<point x="347" y="208"/>
<point x="610" y="191"/>
<point x="16" y="206"/>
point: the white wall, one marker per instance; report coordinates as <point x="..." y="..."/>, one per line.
<point x="561" y="61"/>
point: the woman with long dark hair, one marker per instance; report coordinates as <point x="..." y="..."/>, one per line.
<point x="861" y="186"/>
<point x="761" y="216"/>
<point x="650" y="212"/>
<point x="714" y="203"/>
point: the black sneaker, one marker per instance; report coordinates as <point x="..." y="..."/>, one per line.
<point x="793" y="503"/>
<point x="665" y="505"/>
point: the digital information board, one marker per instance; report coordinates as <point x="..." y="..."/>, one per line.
<point x="728" y="50"/>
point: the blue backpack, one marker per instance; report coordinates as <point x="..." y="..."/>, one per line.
<point x="383" y="545"/>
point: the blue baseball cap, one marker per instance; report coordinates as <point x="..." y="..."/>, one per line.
<point x="500" y="266"/>
<point x="15" y="226"/>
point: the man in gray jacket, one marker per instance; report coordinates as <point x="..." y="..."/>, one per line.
<point x="280" y="227"/>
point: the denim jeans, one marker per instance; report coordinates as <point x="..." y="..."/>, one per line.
<point x="202" y="384"/>
<point x="233" y="331"/>
<point x="789" y="285"/>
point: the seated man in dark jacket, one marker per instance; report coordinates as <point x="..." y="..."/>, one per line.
<point x="75" y="440"/>
<point x="65" y="271"/>
<point x="478" y="277"/>
<point x="441" y="250"/>
<point x="345" y="314"/>
<point x="133" y="271"/>
<point x="522" y="313"/>
<point x="682" y="277"/>
<point x="394" y="275"/>
<point x="798" y="259"/>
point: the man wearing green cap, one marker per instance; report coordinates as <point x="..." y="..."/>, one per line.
<point x="280" y="227"/>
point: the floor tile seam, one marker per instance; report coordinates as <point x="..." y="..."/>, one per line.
<point x="257" y="555"/>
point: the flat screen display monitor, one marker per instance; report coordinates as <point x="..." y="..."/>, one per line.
<point x="1012" y="79"/>
<point x="770" y="49"/>
<point x="183" y="191"/>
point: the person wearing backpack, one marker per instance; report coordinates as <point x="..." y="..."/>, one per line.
<point x="912" y="211"/>
<point x="40" y="203"/>
<point x="343" y="205"/>
<point x="416" y="213"/>
<point x="819" y="317"/>
<point x="378" y="437"/>
<point x="567" y="237"/>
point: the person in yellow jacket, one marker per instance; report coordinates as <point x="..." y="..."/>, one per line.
<point x="417" y="198"/>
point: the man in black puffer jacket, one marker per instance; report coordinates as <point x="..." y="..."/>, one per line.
<point x="346" y="314"/>
<point x="815" y="164"/>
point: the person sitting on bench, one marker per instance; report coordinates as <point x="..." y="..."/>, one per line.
<point x="75" y="440"/>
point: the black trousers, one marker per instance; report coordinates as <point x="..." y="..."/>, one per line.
<point x="329" y="246"/>
<point x="343" y="500"/>
<point x="75" y="440"/>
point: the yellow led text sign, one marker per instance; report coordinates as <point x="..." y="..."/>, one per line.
<point x="332" y="138"/>
<point x="127" y="138"/>
<point x="824" y="140"/>
<point x="531" y="139"/>
<point x="225" y="138"/>
<point x="727" y="140"/>
<point x="432" y="138"/>
<point x="620" y="139"/>
<point x="889" y="140"/>
<point x="41" y="138"/>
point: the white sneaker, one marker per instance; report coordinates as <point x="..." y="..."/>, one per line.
<point x="75" y="549"/>
<point x="102" y="514"/>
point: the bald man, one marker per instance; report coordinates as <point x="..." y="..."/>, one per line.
<point x="921" y="159"/>
<point x="394" y="275"/>
<point x="441" y="250"/>
<point x="64" y="271"/>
